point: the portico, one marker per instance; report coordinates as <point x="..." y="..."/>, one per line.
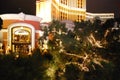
<point x="20" y="32"/>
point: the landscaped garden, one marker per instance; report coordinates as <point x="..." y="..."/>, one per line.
<point x="89" y="51"/>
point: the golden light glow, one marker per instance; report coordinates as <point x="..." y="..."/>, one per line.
<point x="51" y="71"/>
<point x="44" y="10"/>
<point x="74" y="10"/>
<point x="94" y="42"/>
<point x="57" y="1"/>
<point x="56" y="9"/>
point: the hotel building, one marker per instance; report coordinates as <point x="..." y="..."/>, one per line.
<point x="19" y="33"/>
<point x="61" y="10"/>
<point x="74" y="10"/>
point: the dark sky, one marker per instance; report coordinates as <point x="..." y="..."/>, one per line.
<point x="28" y="6"/>
<point x="97" y="6"/>
<point x="17" y="6"/>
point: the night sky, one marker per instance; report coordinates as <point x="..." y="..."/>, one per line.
<point x="17" y="6"/>
<point x="100" y="6"/>
<point x="28" y="6"/>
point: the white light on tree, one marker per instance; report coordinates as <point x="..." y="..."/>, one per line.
<point x="45" y="46"/>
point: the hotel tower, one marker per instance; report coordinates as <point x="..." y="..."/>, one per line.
<point x="61" y="10"/>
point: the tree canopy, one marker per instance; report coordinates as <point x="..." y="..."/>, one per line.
<point x="89" y="51"/>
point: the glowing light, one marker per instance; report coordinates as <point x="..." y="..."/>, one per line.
<point x="87" y="59"/>
<point x="44" y="10"/>
<point x="17" y="56"/>
<point x="21" y="32"/>
<point x="45" y="44"/>
<point x="8" y="49"/>
<point x="51" y="72"/>
<point x="94" y="42"/>
<point x="57" y="1"/>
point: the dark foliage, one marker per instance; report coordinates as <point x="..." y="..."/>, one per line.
<point x="1" y="23"/>
<point x="23" y="67"/>
<point x="34" y="67"/>
<point x="72" y="72"/>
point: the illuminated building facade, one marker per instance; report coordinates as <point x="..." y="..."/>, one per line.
<point x="102" y="16"/>
<point x="20" y="33"/>
<point x="74" y="10"/>
<point x="61" y="10"/>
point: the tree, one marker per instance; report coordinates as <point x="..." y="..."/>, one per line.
<point x="79" y="48"/>
<point x="71" y="55"/>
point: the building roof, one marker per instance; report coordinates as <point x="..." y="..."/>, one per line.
<point x="20" y="16"/>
